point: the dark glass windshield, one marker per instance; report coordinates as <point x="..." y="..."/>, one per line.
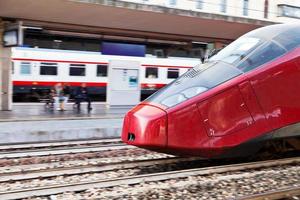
<point x="248" y="53"/>
<point x="237" y="50"/>
<point x="195" y="81"/>
<point x="289" y="39"/>
<point x="267" y="52"/>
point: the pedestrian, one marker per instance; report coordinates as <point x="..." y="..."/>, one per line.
<point x="50" y="102"/>
<point x="82" y="94"/>
<point x="59" y="97"/>
<point x="66" y="92"/>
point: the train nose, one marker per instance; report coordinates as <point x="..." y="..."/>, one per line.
<point x="145" y="126"/>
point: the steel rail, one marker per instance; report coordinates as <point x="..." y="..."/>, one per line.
<point x="49" y="152"/>
<point x="272" y="195"/>
<point x="75" y="170"/>
<point x="57" y="144"/>
<point x="81" y="186"/>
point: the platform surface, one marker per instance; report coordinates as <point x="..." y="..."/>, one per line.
<point x="31" y="122"/>
<point x="37" y="111"/>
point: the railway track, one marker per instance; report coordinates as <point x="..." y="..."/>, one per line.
<point x="138" y="179"/>
<point x="62" y="150"/>
<point x="75" y="170"/>
<point x="100" y="158"/>
<point x="287" y="193"/>
<point x="20" y="147"/>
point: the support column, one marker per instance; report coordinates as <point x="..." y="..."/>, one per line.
<point x="5" y="73"/>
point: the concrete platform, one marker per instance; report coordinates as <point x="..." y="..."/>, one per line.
<point x="33" y="123"/>
<point x="37" y="111"/>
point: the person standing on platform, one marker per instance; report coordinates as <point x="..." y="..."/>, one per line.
<point x="59" y="97"/>
<point x="66" y="92"/>
<point x="51" y="95"/>
<point x="82" y="94"/>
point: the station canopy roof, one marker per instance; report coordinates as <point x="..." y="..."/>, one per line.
<point x="127" y="19"/>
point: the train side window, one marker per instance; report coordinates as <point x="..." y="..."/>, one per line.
<point x="77" y="70"/>
<point x="261" y="56"/>
<point x="25" y="68"/>
<point x="48" y="69"/>
<point x="173" y="73"/>
<point x="289" y="39"/>
<point x="101" y="70"/>
<point x="151" y="72"/>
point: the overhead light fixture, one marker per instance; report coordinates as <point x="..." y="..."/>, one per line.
<point x="166" y="42"/>
<point x="32" y="27"/>
<point x="74" y="34"/>
<point x="196" y="42"/>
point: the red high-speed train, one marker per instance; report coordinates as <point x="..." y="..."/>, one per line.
<point x="244" y="97"/>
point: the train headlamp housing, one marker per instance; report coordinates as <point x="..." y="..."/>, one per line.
<point x="183" y="95"/>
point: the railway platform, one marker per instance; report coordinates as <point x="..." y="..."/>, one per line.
<point x="31" y="122"/>
<point x="38" y="112"/>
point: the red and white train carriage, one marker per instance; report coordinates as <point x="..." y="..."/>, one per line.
<point x="36" y="70"/>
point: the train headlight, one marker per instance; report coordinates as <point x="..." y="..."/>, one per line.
<point x="183" y="95"/>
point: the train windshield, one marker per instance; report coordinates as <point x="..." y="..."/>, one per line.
<point x="248" y="53"/>
<point x="220" y="68"/>
<point x="237" y="51"/>
<point x="195" y="81"/>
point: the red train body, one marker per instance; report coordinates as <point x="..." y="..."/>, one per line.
<point x="246" y="95"/>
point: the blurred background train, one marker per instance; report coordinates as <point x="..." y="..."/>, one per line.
<point x="36" y="70"/>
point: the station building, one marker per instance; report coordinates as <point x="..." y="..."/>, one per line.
<point x="165" y="29"/>
<point x="276" y="11"/>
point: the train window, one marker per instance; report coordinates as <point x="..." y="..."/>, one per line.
<point x="48" y="69"/>
<point x="151" y="72"/>
<point x="289" y="39"/>
<point x="101" y="70"/>
<point x="261" y="56"/>
<point x="173" y="73"/>
<point x="237" y="50"/>
<point x="25" y="68"/>
<point x="77" y="70"/>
